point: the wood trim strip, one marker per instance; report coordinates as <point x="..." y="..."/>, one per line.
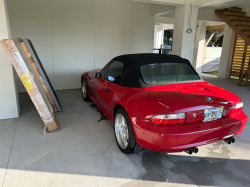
<point x="39" y="77"/>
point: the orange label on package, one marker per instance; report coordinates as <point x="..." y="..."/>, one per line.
<point x="27" y="82"/>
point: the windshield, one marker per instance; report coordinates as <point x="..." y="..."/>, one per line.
<point x="165" y="73"/>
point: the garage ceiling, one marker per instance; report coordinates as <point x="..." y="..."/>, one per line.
<point x="200" y="3"/>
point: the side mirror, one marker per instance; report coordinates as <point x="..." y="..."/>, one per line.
<point x="98" y="75"/>
<point x="110" y="78"/>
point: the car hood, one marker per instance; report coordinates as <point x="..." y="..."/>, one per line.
<point x="187" y="97"/>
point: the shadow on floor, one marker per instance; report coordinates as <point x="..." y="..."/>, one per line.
<point x="102" y="117"/>
<point x="86" y="146"/>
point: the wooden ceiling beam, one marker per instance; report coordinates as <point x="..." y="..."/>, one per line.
<point x="216" y="28"/>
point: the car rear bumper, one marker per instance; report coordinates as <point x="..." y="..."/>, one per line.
<point x="182" y="137"/>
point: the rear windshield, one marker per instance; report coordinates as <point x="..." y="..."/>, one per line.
<point x="165" y="73"/>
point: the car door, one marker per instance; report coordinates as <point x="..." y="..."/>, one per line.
<point x="109" y="85"/>
<point x="97" y="84"/>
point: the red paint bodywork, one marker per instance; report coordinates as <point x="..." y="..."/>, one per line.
<point x="167" y="99"/>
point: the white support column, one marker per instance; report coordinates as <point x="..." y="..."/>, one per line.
<point x="158" y="36"/>
<point x="226" y="54"/>
<point x="199" y="47"/>
<point x="9" y="102"/>
<point x="196" y="44"/>
<point x="183" y="42"/>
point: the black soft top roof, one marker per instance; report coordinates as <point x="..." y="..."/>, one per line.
<point x="144" y="56"/>
<point x="132" y="76"/>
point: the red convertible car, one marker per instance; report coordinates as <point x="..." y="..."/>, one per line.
<point x="159" y="102"/>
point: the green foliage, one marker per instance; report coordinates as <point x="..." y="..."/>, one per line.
<point x="217" y="39"/>
<point x="168" y="37"/>
<point x="212" y="73"/>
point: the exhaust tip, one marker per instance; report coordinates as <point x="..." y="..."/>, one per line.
<point x="196" y="150"/>
<point x="192" y="150"/>
<point x="189" y="151"/>
<point x="233" y="140"/>
<point x="230" y="140"/>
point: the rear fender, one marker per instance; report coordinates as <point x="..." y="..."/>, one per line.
<point x="144" y="106"/>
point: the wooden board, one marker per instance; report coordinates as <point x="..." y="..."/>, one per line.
<point x="43" y="74"/>
<point x="209" y="39"/>
<point x="216" y="27"/>
<point x="39" y="77"/>
<point x="25" y="72"/>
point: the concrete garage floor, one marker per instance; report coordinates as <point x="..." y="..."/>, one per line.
<point x="84" y="152"/>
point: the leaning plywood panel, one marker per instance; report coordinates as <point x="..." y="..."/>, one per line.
<point x="25" y="72"/>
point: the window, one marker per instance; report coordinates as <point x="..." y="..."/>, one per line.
<point x="114" y="72"/>
<point x="164" y="73"/>
<point x="104" y="70"/>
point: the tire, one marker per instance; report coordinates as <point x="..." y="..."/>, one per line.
<point x="85" y="94"/>
<point x="124" y="133"/>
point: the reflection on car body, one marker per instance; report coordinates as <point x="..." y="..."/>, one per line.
<point x="159" y="102"/>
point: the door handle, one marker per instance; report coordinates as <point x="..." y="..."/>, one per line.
<point x="107" y="90"/>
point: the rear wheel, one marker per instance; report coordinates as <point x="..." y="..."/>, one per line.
<point x="124" y="133"/>
<point x="84" y="90"/>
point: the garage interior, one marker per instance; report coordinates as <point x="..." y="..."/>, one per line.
<point x="72" y="37"/>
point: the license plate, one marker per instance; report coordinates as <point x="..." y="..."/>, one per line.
<point x="213" y="113"/>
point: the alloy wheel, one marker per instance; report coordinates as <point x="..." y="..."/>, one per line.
<point x="84" y="89"/>
<point x="121" y="131"/>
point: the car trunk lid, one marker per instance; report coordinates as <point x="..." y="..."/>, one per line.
<point x="193" y="99"/>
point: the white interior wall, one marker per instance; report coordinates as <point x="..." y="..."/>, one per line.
<point x="9" y="102"/>
<point x="74" y="36"/>
<point x="207" y="14"/>
<point x="159" y="9"/>
<point x="164" y="20"/>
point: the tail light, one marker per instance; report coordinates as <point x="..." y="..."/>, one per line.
<point x="169" y="119"/>
<point x="227" y="111"/>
